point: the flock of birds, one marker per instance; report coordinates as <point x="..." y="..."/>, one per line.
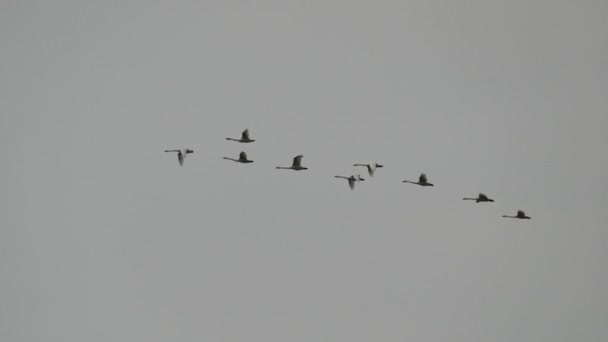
<point x="352" y="179"/>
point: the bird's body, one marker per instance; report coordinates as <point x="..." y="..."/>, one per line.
<point x="352" y="180"/>
<point x="422" y="181"/>
<point x="480" y="198"/>
<point x="242" y="158"/>
<point x="520" y="215"/>
<point x="244" y="137"/>
<point x="181" y="155"/>
<point x="371" y="167"/>
<point x="296" y="165"/>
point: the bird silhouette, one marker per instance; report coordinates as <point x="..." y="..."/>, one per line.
<point x="520" y="215"/>
<point x="480" y="198"/>
<point x="371" y="167"/>
<point x="242" y="158"/>
<point x="352" y="180"/>
<point x="181" y="155"/>
<point x="296" y="165"/>
<point x="422" y="181"/>
<point x="244" y="137"/>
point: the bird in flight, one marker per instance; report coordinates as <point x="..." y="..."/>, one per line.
<point x="244" y="137"/>
<point x="181" y="155"/>
<point x="352" y="180"/>
<point x="480" y="198"/>
<point x="422" y="181"/>
<point x="520" y="215"/>
<point x="242" y="158"/>
<point x="296" y="165"/>
<point x="371" y="167"/>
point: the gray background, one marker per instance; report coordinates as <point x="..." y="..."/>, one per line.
<point x="105" y="238"/>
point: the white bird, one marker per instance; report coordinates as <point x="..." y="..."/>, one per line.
<point x="422" y="181"/>
<point x="371" y="167"/>
<point x="242" y="158"/>
<point x="520" y="215"/>
<point x="296" y="165"/>
<point x="181" y="155"/>
<point x="244" y="137"/>
<point x="352" y="180"/>
<point x="480" y="198"/>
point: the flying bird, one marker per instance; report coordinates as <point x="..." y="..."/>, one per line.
<point x="371" y="167"/>
<point x="244" y="137"/>
<point x="352" y="180"/>
<point x="242" y="158"/>
<point x="480" y="198"/>
<point x="422" y="181"/>
<point x="520" y="215"/>
<point x="297" y="164"/>
<point x="181" y="155"/>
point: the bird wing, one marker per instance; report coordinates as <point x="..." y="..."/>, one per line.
<point x="245" y="135"/>
<point x="180" y="158"/>
<point x="243" y="156"/>
<point x="297" y="161"/>
<point x="371" y="168"/>
<point x="422" y="178"/>
<point x="351" y="183"/>
<point x="521" y="213"/>
<point x="482" y="196"/>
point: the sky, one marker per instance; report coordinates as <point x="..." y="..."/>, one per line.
<point x="104" y="237"/>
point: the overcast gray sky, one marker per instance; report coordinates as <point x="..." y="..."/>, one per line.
<point x="103" y="237"/>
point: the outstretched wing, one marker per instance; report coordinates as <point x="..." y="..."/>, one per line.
<point x="371" y="168"/>
<point x="245" y="135"/>
<point x="180" y="158"/>
<point x="297" y="161"/>
<point x="243" y="156"/>
<point x="351" y="183"/>
<point x="422" y="178"/>
<point x="520" y="213"/>
<point x="482" y="196"/>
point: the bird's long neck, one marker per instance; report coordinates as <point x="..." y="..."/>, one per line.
<point x="230" y="159"/>
<point x="232" y="139"/>
<point x="470" y="199"/>
<point x="283" y="167"/>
